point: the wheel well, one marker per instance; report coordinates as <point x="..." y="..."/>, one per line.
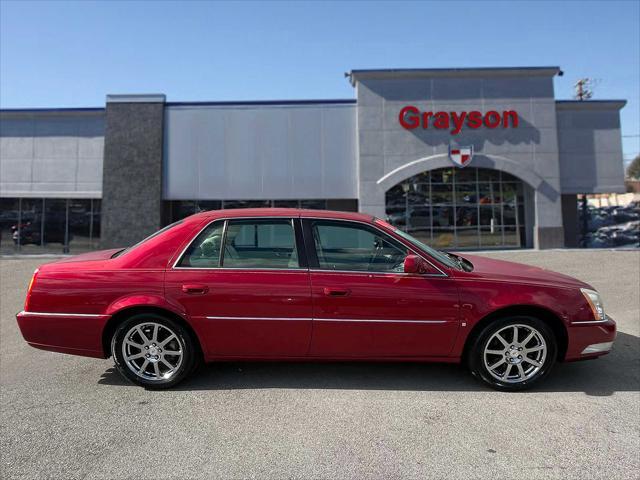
<point x="122" y="315"/>
<point x="551" y="319"/>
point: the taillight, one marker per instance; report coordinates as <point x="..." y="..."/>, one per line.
<point x="31" y="283"/>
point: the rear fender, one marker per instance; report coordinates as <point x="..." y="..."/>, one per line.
<point x="142" y="301"/>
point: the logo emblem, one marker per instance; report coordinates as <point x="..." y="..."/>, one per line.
<point x="461" y="156"/>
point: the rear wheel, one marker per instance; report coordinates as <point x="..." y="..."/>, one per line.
<point x="153" y="351"/>
<point x="513" y="353"/>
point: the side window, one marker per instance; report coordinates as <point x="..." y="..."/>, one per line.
<point x="204" y="251"/>
<point x="350" y="246"/>
<point x="260" y="244"/>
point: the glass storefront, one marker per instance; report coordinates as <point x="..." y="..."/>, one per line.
<point x="466" y="208"/>
<point x="178" y="209"/>
<point x="49" y="225"/>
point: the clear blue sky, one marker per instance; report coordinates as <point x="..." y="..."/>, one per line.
<point x="68" y="54"/>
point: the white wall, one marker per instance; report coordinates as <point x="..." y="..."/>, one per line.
<point x="51" y="154"/>
<point x="257" y="152"/>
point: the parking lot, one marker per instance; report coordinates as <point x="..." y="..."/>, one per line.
<point x="71" y="417"/>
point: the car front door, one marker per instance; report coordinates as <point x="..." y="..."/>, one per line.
<point x="364" y="305"/>
<point x="245" y="285"/>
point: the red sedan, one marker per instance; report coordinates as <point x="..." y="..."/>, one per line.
<point x="287" y="284"/>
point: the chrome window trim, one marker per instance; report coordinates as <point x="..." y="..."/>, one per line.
<point x="302" y="269"/>
<point x="371" y="272"/>
<point x="248" y="269"/>
<point x="193" y="238"/>
<point x="224" y="238"/>
<point x="225" y="228"/>
<point x="376" y="227"/>
<point x="49" y="314"/>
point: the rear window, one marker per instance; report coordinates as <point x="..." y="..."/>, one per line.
<point x="247" y="243"/>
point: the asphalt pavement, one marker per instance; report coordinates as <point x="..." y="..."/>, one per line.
<point x="71" y="417"/>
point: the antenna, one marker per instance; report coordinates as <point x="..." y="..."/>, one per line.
<point x="583" y="89"/>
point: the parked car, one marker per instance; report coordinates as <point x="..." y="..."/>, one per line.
<point x="289" y="284"/>
<point x="610" y="226"/>
<point x="622" y="235"/>
<point x="30" y="232"/>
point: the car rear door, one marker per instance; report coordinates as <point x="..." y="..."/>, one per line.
<point x="364" y="305"/>
<point x="245" y="285"/>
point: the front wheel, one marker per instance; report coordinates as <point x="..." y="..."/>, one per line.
<point x="513" y="353"/>
<point x="153" y="351"/>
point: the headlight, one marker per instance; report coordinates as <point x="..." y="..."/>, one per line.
<point x="595" y="302"/>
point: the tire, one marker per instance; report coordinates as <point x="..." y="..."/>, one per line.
<point x="492" y="359"/>
<point x="145" y="359"/>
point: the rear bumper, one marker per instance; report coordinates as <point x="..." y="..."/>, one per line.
<point x="590" y="339"/>
<point x="73" y="333"/>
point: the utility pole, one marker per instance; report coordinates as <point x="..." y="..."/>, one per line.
<point x="583" y="89"/>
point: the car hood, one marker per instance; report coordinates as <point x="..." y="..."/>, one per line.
<point x="501" y="270"/>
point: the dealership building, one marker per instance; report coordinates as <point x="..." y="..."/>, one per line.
<point x="469" y="158"/>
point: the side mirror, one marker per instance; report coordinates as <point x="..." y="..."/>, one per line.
<point x="413" y="264"/>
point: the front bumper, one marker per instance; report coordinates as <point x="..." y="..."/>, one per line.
<point x="73" y="333"/>
<point x="590" y="339"/>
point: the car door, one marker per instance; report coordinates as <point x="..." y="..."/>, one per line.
<point x="245" y="285"/>
<point x="364" y="305"/>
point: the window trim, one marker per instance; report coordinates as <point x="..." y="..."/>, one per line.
<point x="314" y="265"/>
<point x="303" y="265"/>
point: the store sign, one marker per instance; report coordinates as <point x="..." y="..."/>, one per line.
<point x="461" y="156"/>
<point x="411" y="117"/>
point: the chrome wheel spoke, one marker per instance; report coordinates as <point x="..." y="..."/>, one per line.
<point x="521" y="371"/>
<point x="504" y="342"/>
<point x="156" y="369"/>
<point x="144" y="338"/>
<point x="494" y="352"/>
<point x="497" y="364"/>
<point x="167" y="340"/>
<point x="134" y="356"/>
<point x="515" y="334"/>
<point x="167" y="364"/>
<point x="134" y="344"/>
<point x="534" y="349"/>
<point x="528" y="339"/>
<point x="154" y="337"/>
<point x="172" y="352"/>
<point x="143" y="367"/>
<point x="532" y="362"/>
<point x="507" y="371"/>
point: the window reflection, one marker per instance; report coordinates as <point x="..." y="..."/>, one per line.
<point x="461" y="208"/>
<point x="49" y="225"/>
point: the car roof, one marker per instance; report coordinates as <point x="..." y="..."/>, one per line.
<point x="283" y="212"/>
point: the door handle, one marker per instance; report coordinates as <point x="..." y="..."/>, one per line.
<point x="195" y="289"/>
<point x="336" y="292"/>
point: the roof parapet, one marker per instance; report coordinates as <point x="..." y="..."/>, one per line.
<point x="355" y="75"/>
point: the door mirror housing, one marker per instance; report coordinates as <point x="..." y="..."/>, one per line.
<point x="415" y="264"/>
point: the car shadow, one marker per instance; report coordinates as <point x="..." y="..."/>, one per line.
<point x="618" y="371"/>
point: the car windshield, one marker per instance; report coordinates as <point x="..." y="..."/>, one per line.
<point x="442" y="257"/>
<point x="154" y="234"/>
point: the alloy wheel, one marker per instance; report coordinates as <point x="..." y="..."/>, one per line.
<point x="515" y="353"/>
<point x="152" y="351"/>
